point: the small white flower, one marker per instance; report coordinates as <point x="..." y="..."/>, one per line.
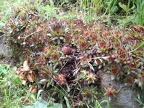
<point x="24" y="43"/>
<point x="67" y="30"/>
<point x="19" y="37"/>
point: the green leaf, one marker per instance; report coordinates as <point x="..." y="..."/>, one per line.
<point x="91" y="67"/>
<point x="96" y="1"/>
<point x="67" y="102"/>
<point x="139" y="46"/>
<point x="97" y="104"/>
<point x="68" y="89"/>
<point x="55" y="105"/>
<point x="28" y="107"/>
<point x="38" y="104"/>
<point x="38" y="94"/>
<point x="124" y="7"/>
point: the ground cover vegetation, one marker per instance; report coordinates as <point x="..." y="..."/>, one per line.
<point x="62" y="47"/>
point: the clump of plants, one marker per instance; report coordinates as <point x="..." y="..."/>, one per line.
<point x="65" y="57"/>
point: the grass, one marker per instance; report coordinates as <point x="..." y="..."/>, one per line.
<point x="12" y="93"/>
<point x="132" y="11"/>
<point x="141" y="102"/>
<point x="11" y="89"/>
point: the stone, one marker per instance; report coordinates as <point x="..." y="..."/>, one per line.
<point x="4" y="52"/>
<point x="5" y="55"/>
<point x="126" y="96"/>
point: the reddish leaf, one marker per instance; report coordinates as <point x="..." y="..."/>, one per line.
<point x="32" y="89"/>
<point x="30" y="77"/>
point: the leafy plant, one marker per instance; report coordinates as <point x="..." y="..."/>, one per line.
<point x="64" y="57"/>
<point x="140" y="100"/>
<point x="99" y="104"/>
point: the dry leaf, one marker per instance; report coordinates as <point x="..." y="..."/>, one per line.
<point x="23" y="82"/>
<point x="19" y="70"/>
<point x="22" y="76"/>
<point x="31" y="71"/>
<point x="25" y="66"/>
<point x="33" y="89"/>
<point x="25" y="100"/>
<point x="30" y="77"/>
<point x="139" y="28"/>
<point x="22" y="70"/>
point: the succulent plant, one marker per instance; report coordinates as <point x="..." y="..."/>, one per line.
<point x="81" y="51"/>
<point x="60" y="79"/>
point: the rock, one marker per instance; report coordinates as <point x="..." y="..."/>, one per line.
<point x="5" y="55"/>
<point x="126" y="96"/>
<point x="3" y="50"/>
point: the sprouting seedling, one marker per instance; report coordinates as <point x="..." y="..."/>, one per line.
<point x="110" y="91"/>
